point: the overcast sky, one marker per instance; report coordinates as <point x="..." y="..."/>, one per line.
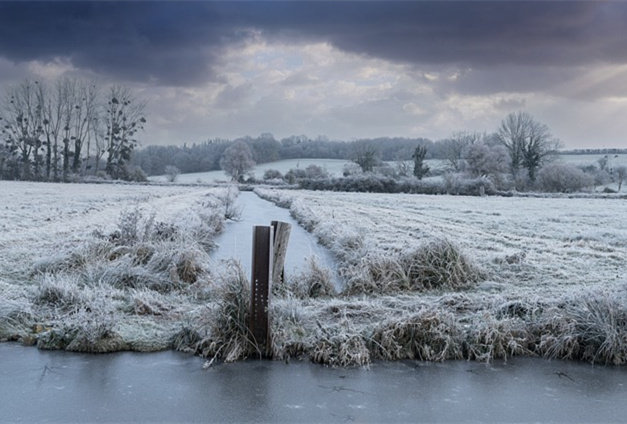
<point x="342" y="69"/>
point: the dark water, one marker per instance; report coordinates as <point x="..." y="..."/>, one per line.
<point x="236" y="241"/>
<point x="43" y="386"/>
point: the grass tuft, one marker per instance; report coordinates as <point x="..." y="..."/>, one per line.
<point x="433" y="265"/>
<point x="429" y="335"/>
<point x="226" y="324"/>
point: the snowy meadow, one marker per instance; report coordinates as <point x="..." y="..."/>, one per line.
<point x="106" y="267"/>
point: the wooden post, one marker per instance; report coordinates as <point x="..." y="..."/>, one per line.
<point x="260" y="287"/>
<point x="281" y="238"/>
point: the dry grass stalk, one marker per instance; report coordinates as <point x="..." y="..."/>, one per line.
<point x="226" y="325"/>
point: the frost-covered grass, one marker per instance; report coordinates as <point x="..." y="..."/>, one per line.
<point x="540" y="276"/>
<point x="534" y="245"/>
<point x="104" y="268"/>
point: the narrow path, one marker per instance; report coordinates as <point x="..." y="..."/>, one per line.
<point x="236" y="241"/>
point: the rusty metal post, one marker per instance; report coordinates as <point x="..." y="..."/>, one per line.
<point x="260" y="287"/>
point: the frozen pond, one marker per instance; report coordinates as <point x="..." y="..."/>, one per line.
<point x="236" y="241"/>
<point x="57" y="386"/>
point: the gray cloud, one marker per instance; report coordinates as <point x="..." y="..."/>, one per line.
<point x="232" y="97"/>
<point x="178" y="43"/>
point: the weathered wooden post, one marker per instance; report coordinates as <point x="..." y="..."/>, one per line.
<point x="282" y="232"/>
<point x="269" y="250"/>
<point x="260" y="287"/>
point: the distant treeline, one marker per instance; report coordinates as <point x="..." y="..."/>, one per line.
<point x="593" y="152"/>
<point x="205" y="156"/>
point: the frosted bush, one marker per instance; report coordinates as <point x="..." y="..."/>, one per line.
<point x="563" y="178"/>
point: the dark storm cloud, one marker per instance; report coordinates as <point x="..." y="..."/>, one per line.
<point x="178" y="42"/>
<point x="167" y="42"/>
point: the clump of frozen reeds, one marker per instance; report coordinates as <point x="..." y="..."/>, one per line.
<point x="433" y="265"/>
<point x="341" y="350"/>
<point x="279" y="198"/>
<point x="429" y="335"/>
<point x="340" y="345"/>
<point x="149" y="302"/>
<point x="16" y="314"/>
<point x="226" y="325"/>
<point x="591" y="326"/>
<point x="60" y="293"/>
<point x="142" y="253"/>
<point x="313" y="282"/>
<point x="88" y="329"/>
<point x="440" y="264"/>
<point x="290" y="337"/>
<point x="489" y="337"/>
<point x="227" y="198"/>
<point x="76" y="259"/>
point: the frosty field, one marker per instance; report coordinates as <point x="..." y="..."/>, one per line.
<point x="332" y="166"/>
<point x="100" y="268"/>
<point x="535" y="245"/>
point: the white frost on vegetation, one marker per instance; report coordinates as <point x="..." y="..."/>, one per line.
<point x="551" y="279"/>
<point x="532" y="245"/>
<point x="100" y="268"/>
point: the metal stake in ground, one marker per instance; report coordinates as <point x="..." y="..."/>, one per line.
<point x="260" y="287"/>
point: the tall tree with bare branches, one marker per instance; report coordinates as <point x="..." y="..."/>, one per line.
<point x="529" y="142"/>
<point x="124" y="118"/>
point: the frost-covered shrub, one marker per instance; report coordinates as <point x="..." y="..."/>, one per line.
<point x="601" y="176"/>
<point x="351" y="169"/>
<point x="483" y="160"/>
<point x="459" y="184"/>
<point x="386" y="170"/>
<point x="228" y="198"/>
<point x="315" y="172"/>
<point x="271" y="174"/>
<point x="563" y="178"/>
<point x="134" y="173"/>
<point x="295" y="174"/>
<point x="133" y="227"/>
<point x="376" y="183"/>
<point x="172" y="173"/>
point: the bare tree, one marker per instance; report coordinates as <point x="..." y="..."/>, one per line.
<point x="453" y="147"/>
<point x="86" y="110"/>
<point x="420" y="168"/>
<point x="50" y="132"/>
<point x="172" y="173"/>
<point x="529" y="142"/>
<point x="484" y="160"/>
<point x="365" y="155"/>
<point x="237" y="160"/>
<point x="621" y="174"/>
<point x="124" y="117"/>
<point x="22" y="117"/>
